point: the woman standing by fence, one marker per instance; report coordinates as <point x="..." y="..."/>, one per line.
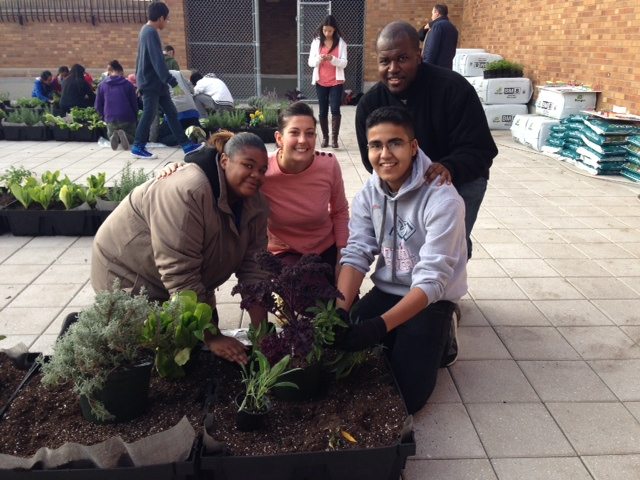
<point x="328" y="57"/>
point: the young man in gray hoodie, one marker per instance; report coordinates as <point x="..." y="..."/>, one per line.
<point x="417" y="231"/>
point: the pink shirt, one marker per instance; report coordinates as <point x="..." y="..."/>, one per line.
<point x="308" y="211"/>
<point x="326" y="71"/>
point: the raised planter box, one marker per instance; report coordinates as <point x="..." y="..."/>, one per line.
<point x="385" y="463"/>
<point x="266" y="134"/>
<point x="351" y="462"/>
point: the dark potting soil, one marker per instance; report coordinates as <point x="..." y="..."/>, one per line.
<point x="50" y="417"/>
<point x="10" y="378"/>
<point x="6" y="198"/>
<point x="364" y="406"/>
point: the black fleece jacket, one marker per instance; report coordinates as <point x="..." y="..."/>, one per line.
<point x="450" y="124"/>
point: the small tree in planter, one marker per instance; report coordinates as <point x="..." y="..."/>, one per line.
<point x="301" y="298"/>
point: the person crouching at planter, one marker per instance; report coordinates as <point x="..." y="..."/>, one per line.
<point x="309" y="212"/>
<point x="417" y="229"/>
<point x="76" y="92"/>
<point x="191" y="230"/>
<point x="117" y="104"/>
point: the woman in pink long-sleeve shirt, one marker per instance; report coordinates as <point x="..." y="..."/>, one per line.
<point x="308" y="212"/>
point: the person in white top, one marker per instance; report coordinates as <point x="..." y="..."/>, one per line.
<point x="328" y="57"/>
<point x="210" y="93"/>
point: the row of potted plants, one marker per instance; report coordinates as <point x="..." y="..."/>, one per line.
<point x="123" y="334"/>
<point x="55" y="205"/>
<point x="81" y="125"/>
<point x="503" y="68"/>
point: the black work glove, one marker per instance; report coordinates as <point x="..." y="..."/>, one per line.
<point x="365" y="334"/>
<point x="343" y="314"/>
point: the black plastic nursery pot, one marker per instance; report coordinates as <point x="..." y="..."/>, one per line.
<point x="36" y="133"/>
<point x="60" y="134"/>
<point x="266" y="134"/>
<point x="309" y="380"/>
<point x="12" y="132"/>
<point x="85" y="135"/>
<point x="28" y="222"/>
<point x="247" y="421"/>
<point x="125" y="394"/>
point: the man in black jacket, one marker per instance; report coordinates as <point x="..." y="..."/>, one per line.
<point x="440" y="38"/>
<point x="451" y="127"/>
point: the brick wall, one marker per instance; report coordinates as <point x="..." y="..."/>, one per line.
<point x="591" y="42"/>
<point x="381" y="12"/>
<point x="29" y="49"/>
<point x="587" y="41"/>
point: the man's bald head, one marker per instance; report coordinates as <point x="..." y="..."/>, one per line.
<point x="397" y="31"/>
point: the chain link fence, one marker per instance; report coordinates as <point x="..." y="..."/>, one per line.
<point x="350" y="15"/>
<point x="80" y="11"/>
<point x="222" y="39"/>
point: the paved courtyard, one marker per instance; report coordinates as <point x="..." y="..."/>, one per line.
<point x="547" y="385"/>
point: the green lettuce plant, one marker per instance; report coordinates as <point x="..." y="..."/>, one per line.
<point x="21" y="190"/>
<point x="175" y="329"/>
<point x="42" y="194"/>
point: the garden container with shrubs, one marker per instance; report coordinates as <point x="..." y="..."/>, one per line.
<point x="116" y="333"/>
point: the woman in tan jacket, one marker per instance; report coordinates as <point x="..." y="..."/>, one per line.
<point x="191" y="231"/>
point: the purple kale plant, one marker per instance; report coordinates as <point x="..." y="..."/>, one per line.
<point x="288" y="293"/>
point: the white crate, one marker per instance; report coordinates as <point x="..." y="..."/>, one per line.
<point x="472" y="64"/>
<point x="560" y="102"/>
<point x="503" y="91"/>
<point x="500" y="117"/>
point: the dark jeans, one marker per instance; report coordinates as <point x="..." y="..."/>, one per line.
<point x="472" y="193"/>
<point x="151" y="101"/>
<point x="415" y="348"/>
<point x="166" y="136"/>
<point x="329" y="97"/>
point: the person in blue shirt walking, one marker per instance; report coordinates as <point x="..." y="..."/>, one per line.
<point x="153" y="78"/>
<point x="42" y="89"/>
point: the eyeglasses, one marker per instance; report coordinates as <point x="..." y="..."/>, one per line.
<point x="393" y="146"/>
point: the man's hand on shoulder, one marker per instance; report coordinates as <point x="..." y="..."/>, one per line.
<point x="435" y="170"/>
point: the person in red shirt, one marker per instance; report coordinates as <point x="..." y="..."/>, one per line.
<point x="328" y="57"/>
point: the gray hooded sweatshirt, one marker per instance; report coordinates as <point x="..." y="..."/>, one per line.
<point x="419" y="235"/>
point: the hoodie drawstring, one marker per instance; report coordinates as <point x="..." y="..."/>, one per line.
<point x="395" y="236"/>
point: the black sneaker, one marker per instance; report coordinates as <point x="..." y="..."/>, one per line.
<point x="451" y="353"/>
